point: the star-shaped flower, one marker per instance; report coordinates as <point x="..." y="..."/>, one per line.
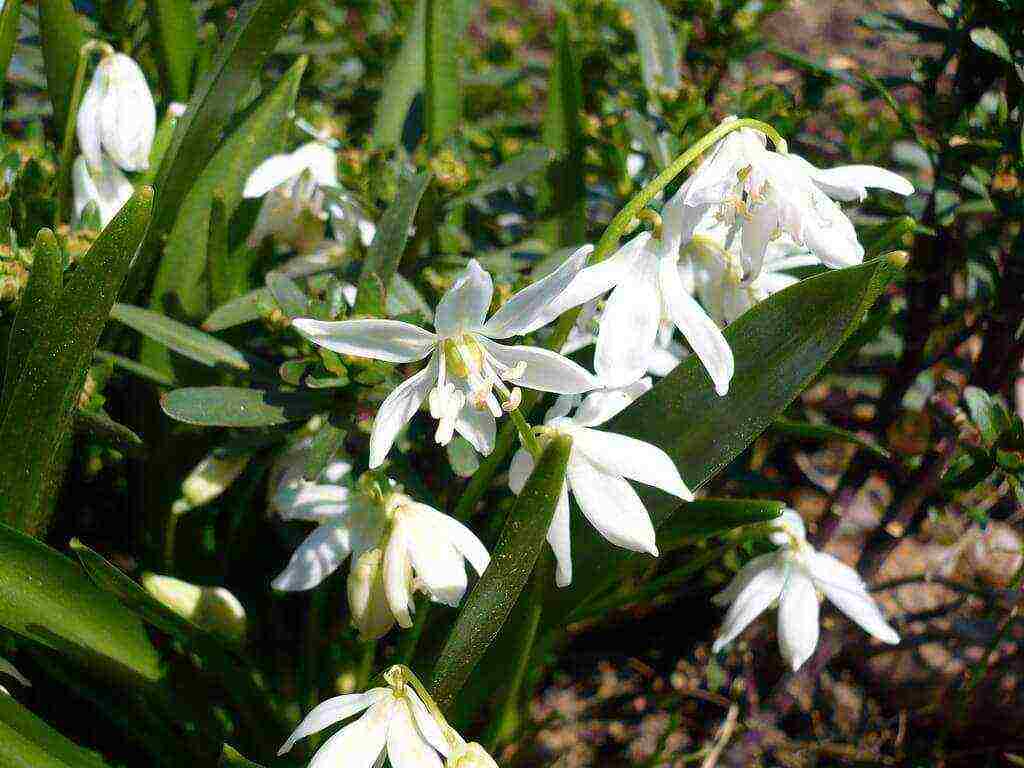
<point x="793" y="576"/>
<point x="599" y="464"/>
<point x="466" y="366"/>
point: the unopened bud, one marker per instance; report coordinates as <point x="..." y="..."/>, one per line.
<point x="211" y="477"/>
<point x="211" y="608"/>
<point x="367" y="600"/>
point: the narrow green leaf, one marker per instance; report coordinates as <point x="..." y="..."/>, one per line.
<point x="809" y="431"/>
<point x="127" y="364"/>
<point x="564" y="196"/>
<point x="61" y="33"/>
<point x="216" y="98"/>
<point x="779" y="346"/>
<point x="515" y="171"/>
<point x="243" y="309"/>
<point x="100" y="426"/>
<point x="489" y="604"/>
<point x="659" y="53"/>
<point x="181" y="338"/>
<point x="175" y="33"/>
<point x="180" y="289"/>
<point x="989" y="40"/>
<point x="42" y="401"/>
<point x="47" y="598"/>
<point x="231" y="759"/>
<point x="443" y="91"/>
<point x="225" y="274"/>
<point x="10" y="16"/>
<point x="41" y="295"/>
<point x="240" y="407"/>
<point x="28" y="742"/>
<point x="404" y="80"/>
<point x="714" y="517"/>
<point x="289" y="297"/>
<point x="389" y="244"/>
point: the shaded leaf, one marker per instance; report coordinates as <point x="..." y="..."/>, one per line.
<point x="61" y="34"/>
<point x="515" y="171"/>
<point x="659" y="52"/>
<point x="243" y="309"/>
<point x="713" y="517"/>
<point x="10" y="17"/>
<point x="183" y="339"/>
<point x="240" y="407"/>
<point x="100" y="426"/>
<point x="327" y="443"/>
<point x="176" y="38"/>
<point x="404" y="80"/>
<point x="803" y="429"/>
<point x="26" y="741"/>
<point x="289" y="297"/>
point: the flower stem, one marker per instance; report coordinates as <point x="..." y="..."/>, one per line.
<point x="68" y="143"/>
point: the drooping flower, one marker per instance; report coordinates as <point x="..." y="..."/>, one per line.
<point x="117" y="115"/>
<point x="466" y="365"/>
<point x="395" y="723"/>
<point x="105" y="186"/>
<point x="793" y="576"/>
<point x="600" y="462"/>
<point x="646" y="287"/>
<point x="398" y="546"/>
<point x="295" y="205"/>
<point x="759" y="194"/>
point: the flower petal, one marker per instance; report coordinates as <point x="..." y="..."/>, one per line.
<point x="759" y="592"/>
<point x="406" y="746"/>
<point x="389" y="340"/>
<point x="546" y="371"/>
<point x="597" y="279"/>
<point x="847" y="592"/>
<point x="464" y="540"/>
<point x="438" y="566"/>
<point x="601" y="405"/>
<point x="464" y="306"/>
<point x="398" y="577"/>
<point x="560" y="538"/>
<point x="628" y="330"/>
<point x="331" y="711"/>
<point x="320" y="161"/>
<point x="315" y="559"/>
<point x="275" y="170"/>
<point x="519" y="470"/>
<point x="427" y="725"/>
<point x="87" y="126"/>
<point x="127" y="113"/>
<point x="850" y="182"/>
<point x="317" y="502"/>
<point x="561" y="407"/>
<point x="756" y="239"/>
<point x="630" y="458"/>
<point x="699" y="330"/>
<point x="741" y="579"/>
<point x="798" y="618"/>
<point x="611" y="506"/>
<point x="529" y="309"/>
<point x="398" y="409"/>
<point x="478" y="426"/>
<point x="359" y="744"/>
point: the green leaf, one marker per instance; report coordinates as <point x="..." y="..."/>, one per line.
<point x="713" y="517"/>
<point x="231" y="759"/>
<point x="42" y="401"/>
<point x="289" y="297"/>
<point x="41" y="295"/>
<point x="221" y="90"/>
<point x="987" y="413"/>
<point x="515" y="171"/>
<point x="442" y="92"/>
<point x="324" y="448"/>
<point x="485" y="610"/>
<point x="61" y="33"/>
<point x="240" y="407"/>
<point x="180" y="289"/>
<point x="564" y="195"/>
<point x="224" y="272"/>
<point x="990" y="40"/>
<point x="389" y="244"/>
<point x="404" y="80"/>
<point x="127" y="364"/>
<point x="659" y="53"/>
<point x="28" y="742"/>
<point x="187" y="341"/>
<point x="100" y="426"/>
<point x="10" y="16"/>
<point x="805" y="430"/>
<point x="47" y="598"/>
<point x="779" y="346"/>
<point x="641" y="130"/>
<point x="176" y="38"/>
<point x="243" y="309"/>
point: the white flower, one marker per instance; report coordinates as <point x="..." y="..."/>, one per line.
<point x="646" y="286"/>
<point x="212" y="476"/>
<point x="465" y="365"/>
<point x="599" y="464"/>
<point x="295" y="207"/>
<point x="7" y="668"/>
<point x="398" y="546"/>
<point x="105" y="185"/>
<point x="793" y="576"/>
<point x="759" y="194"/>
<point x="213" y="608"/>
<point x="117" y="115"/>
<point x="470" y="755"/>
<point x="396" y="723"/>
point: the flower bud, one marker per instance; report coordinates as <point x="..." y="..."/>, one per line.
<point x="211" y="477"/>
<point x="104" y="185"/>
<point x="211" y="608"/>
<point x="371" y="613"/>
<point x="117" y="115"/>
<point x="470" y="755"/>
